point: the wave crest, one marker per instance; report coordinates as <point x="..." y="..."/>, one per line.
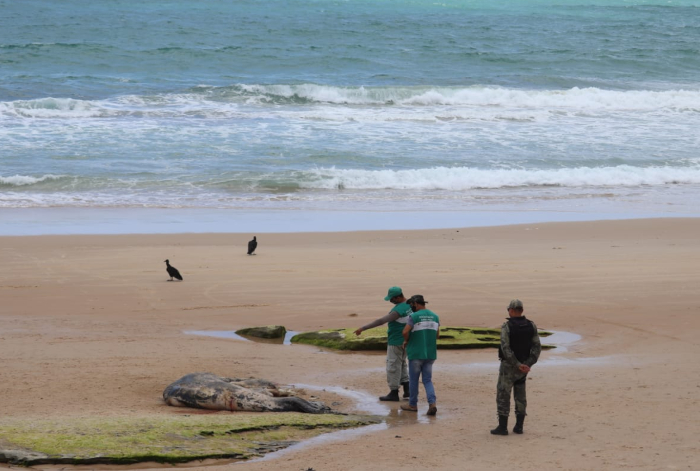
<point x="25" y="180"/>
<point x="578" y="98"/>
<point x="51" y="108"/>
<point x="422" y="102"/>
<point x="465" y="178"/>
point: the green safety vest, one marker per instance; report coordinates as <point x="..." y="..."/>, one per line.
<point x="422" y="344"/>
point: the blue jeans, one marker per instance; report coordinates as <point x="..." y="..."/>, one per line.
<point x="416" y="369"/>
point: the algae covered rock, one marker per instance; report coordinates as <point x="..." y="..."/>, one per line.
<point x="344" y="339"/>
<point x="161" y="438"/>
<point x="264" y="332"/>
<point x="376" y="339"/>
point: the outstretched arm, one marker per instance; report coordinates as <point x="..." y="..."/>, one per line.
<point x="392" y="316"/>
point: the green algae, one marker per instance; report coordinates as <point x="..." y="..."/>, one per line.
<point x="164" y="439"/>
<point x="376" y="339"/>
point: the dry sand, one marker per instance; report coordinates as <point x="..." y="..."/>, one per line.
<point x="90" y="327"/>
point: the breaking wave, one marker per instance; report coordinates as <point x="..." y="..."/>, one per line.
<point x="225" y="102"/>
<point x="465" y="178"/>
<point x="331" y="178"/>
<point x="579" y="98"/>
<point x="25" y="180"/>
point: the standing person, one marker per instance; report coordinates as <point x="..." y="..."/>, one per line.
<point x="420" y="338"/>
<point x="396" y="368"/>
<point x="520" y="349"/>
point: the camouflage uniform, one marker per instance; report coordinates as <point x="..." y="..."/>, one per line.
<point x="510" y="377"/>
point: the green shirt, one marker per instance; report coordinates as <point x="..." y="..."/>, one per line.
<point x="422" y="344"/>
<point x="395" y="330"/>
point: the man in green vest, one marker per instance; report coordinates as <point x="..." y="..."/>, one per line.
<point x="420" y="338"/>
<point x="396" y="368"/>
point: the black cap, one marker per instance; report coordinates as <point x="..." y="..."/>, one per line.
<point x="417" y="298"/>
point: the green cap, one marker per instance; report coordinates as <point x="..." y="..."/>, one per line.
<point x="393" y="291"/>
<point x="515" y="304"/>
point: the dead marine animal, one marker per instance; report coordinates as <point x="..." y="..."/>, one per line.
<point x="209" y="391"/>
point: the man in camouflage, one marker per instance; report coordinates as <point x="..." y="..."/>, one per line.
<point x="520" y="349"/>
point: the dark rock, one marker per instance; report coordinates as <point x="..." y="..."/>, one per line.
<point x="265" y="332"/>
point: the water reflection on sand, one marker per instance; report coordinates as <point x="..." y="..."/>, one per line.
<point x="231" y="334"/>
<point x="363" y="403"/>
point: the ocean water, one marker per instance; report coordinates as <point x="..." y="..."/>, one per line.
<point x="301" y="107"/>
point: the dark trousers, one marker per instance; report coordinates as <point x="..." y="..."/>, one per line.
<point x="511" y="379"/>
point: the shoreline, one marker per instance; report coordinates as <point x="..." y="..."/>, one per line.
<point x="130" y="221"/>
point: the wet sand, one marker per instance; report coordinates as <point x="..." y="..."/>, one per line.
<point x="89" y="326"/>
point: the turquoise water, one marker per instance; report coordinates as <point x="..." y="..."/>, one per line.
<point x="356" y="106"/>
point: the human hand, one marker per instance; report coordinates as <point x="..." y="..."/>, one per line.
<point x="524" y="368"/>
<point x="358" y="331"/>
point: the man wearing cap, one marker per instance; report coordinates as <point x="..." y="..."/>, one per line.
<point x="396" y="368"/>
<point x="520" y="349"/>
<point x="420" y="337"/>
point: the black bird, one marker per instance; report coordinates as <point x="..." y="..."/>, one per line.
<point x="172" y="271"/>
<point x="252" y="245"/>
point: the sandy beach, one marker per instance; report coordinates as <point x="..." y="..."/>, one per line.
<point x="89" y="326"/>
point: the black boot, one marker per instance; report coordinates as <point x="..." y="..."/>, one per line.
<point x="502" y="428"/>
<point x="519" y="419"/>
<point x="392" y="396"/>
<point x="406" y="392"/>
